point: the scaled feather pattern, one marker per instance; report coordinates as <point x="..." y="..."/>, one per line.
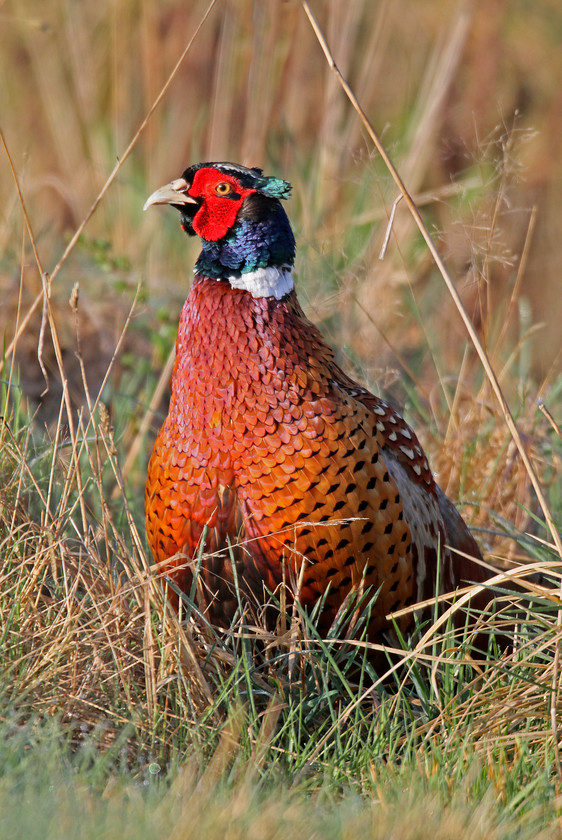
<point x="271" y="457"/>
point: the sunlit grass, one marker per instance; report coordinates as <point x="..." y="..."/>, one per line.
<point x="88" y="643"/>
<point x="117" y="716"/>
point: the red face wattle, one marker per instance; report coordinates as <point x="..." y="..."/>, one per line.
<point x="221" y="198"/>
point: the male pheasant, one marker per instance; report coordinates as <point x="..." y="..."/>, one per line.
<point x="271" y="456"/>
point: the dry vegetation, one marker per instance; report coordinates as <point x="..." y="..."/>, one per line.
<point x="468" y="104"/>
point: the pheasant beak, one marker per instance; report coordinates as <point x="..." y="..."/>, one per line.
<point x="173" y="193"/>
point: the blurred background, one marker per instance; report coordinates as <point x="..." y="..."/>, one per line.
<point x="468" y="101"/>
<point x="109" y="706"/>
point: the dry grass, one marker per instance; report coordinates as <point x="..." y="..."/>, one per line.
<point x="201" y="805"/>
<point x="494" y="165"/>
<point x="86" y="636"/>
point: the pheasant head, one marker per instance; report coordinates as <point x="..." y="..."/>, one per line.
<point x="244" y="230"/>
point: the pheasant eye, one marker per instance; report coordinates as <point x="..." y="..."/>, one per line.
<point x="224" y="188"/>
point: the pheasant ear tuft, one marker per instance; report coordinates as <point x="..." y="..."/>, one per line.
<point x="273" y="187"/>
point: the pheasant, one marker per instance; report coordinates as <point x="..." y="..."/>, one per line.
<point x="273" y="466"/>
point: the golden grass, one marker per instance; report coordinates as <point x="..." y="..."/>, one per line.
<point x="86" y="634"/>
